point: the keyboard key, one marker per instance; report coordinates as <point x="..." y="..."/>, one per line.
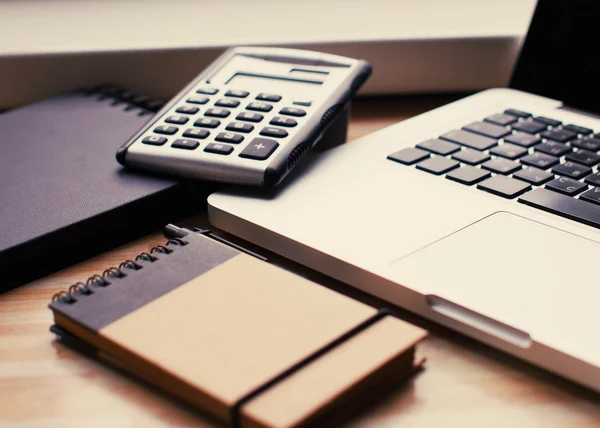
<point x="509" y="151"/>
<point x="503" y="186"/>
<point x="578" y="129"/>
<point x="529" y="126"/>
<point x="274" y="132"/>
<point x="439" y="147"/>
<point x="437" y="165"/>
<point x="478" y="142"/>
<point x="196" y="133"/>
<point x="229" y="137"/>
<point x="533" y="176"/>
<point x="572" y="170"/>
<point x="591" y="144"/>
<point x="227" y="103"/>
<point x="187" y="110"/>
<point x="560" y="135"/>
<point x="501" y="166"/>
<point x="259" y="149"/>
<point x="553" y="148"/>
<point x="547" y="121"/>
<point x="207" y="123"/>
<point x="593" y="179"/>
<point x="197" y="100"/>
<point x="269" y="97"/>
<point x="592" y="195"/>
<point x="220" y="149"/>
<point x="167" y="130"/>
<point x="566" y="186"/>
<point x="470" y="156"/>
<point x="236" y="93"/>
<point x="292" y="111"/>
<point x="583" y="157"/>
<point x="539" y="160"/>
<point x="517" y="113"/>
<point x="468" y="175"/>
<point x="217" y="112"/>
<point x="250" y="117"/>
<point x="565" y="206"/>
<point x="487" y="129"/>
<point x="154" y="140"/>
<point x="283" y="121"/>
<point x="185" y="144"/>
<point x="207" y="91"/>
<point x="409" y="156"/>
<point x="304" y="103"/>
<point x="240" y="127"/>
<point x="522" y="139"/>
<point x="259" y="106"/>
<point x="177" y="120"/>
<point x="501" y="119"/>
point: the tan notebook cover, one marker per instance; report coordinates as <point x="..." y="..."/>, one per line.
<point x="211" y="325"/>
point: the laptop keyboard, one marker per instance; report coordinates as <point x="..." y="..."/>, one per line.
<point x="539" y="160"/>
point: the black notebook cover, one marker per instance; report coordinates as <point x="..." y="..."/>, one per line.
<point x="64" y="197"/>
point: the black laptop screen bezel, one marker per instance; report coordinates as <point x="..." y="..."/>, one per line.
<point x="558" y="58"/>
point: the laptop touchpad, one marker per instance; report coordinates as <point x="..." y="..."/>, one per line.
<point x="524" y="274"/>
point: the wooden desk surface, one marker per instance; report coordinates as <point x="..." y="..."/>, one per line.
<point x="465" y="384"/>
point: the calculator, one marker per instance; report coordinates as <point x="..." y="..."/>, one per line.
<point x="250" y="116"/>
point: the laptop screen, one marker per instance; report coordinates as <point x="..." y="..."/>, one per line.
<point x="560" y="58"/>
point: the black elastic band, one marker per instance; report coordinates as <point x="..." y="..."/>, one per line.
<point x="235" y="411"/>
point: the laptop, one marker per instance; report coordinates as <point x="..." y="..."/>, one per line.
<point x="482" y="215"/>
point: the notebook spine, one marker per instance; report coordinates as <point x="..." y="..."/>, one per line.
<point x="108" y="276"/>
<point x="130" y="100"/>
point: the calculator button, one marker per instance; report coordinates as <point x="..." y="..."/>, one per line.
<point x="229" y="137"/>
<point x="274" y="132"/>
<point x="236" y="93"/>
<point x="268" y="97"/>
<point x="259" y="106"/>
<point x="197" y="100"/>
<point x="250" y="117"/>
<point x="240" y="127"/>
<point x="302" y="103"/>
<point x="207" y="91"/>
<point x="167" y="130"/>
<point x="217" y="112"/>
<point x="227" y="103"/>
<point x="207" y="123"/>
<point x="178" y="120"/>
<point x="259" y="149"/>
<point x="196" y="133"/>
<point x="154" y="140"/>
<point x="188" y="110"/>
<point x="220" y="149"/>
<point x="292" y="111"/>
<point x="283" y="121"/>
<point x="185" y="144"/>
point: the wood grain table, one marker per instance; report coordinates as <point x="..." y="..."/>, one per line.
<point x="465" y="384"/>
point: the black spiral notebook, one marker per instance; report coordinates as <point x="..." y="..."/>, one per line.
<point x="63" y="196"/>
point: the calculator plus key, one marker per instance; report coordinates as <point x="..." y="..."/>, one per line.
<point x="250" y="117"/>
<point x="229" y="137"/>
<point x="274" y="132"/>
<point x="227" y="103"/>
<point x="259" y="149"/>
<point x="166" y="130"/>
<point x="207" y="123"/>
<point x="196" y="133"/>
<point x="187" y="110"/>
<point x="259" y="106"/>
<point x="154" y="140"/>
<point x="292" y="111"/>
<point x="177" y="120"/>
<point x="217" y="112"/>
<point x="240" y="127"/>
<point x="283" y="121"/>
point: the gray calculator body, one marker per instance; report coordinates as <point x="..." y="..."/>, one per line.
<point x="249" y="117"/>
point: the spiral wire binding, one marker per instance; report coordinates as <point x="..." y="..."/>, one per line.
<point x="71" y="295"/>
<point x="121" y="96"/>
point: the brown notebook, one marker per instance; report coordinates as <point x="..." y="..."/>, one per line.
<point x="237" y="337"/>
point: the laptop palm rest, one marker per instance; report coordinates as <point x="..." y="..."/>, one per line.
<point x="483" y="277"/>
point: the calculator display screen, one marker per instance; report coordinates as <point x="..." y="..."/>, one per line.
<point x="284" y="85"/>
